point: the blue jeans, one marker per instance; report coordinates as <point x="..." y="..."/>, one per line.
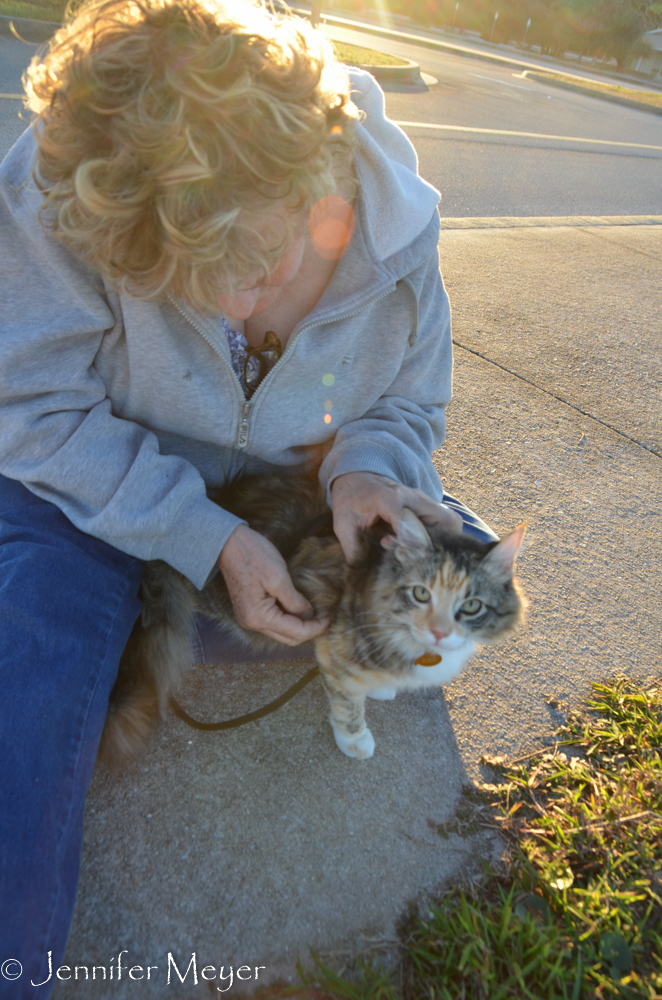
<point x="67" y="605"/>
<point x="472" y="523"/>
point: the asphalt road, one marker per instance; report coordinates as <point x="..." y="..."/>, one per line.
<point x="14" y="57"/>
<point x="484" y="173"/>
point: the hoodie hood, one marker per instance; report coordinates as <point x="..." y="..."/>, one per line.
<point x="396" y="204"/>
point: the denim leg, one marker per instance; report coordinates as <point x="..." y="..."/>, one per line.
<point x="473" y="525"/>
<point x="67" y="605"/>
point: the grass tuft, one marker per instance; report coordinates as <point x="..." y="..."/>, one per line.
<point x="357" y="55"/>
<point x="578" y="913"/>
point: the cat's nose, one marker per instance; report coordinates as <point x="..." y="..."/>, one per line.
<point x="439" y="634"/>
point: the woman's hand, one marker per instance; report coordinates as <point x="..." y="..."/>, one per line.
<point x="258" y="581"/>
<point x="361" y="498"/>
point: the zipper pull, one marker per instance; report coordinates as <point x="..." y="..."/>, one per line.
<point x="242" y="433"/>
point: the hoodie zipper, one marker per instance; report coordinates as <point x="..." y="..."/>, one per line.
<point x="244" y="424"/>
<point x="309" y="326"/>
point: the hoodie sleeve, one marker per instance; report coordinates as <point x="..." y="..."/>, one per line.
<point x="58" y="434"/>
<point x="397" y="435"/>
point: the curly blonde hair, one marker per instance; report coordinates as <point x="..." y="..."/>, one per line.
<point x="166" y="128"/>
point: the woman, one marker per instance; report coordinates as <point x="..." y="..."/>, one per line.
<point x="200" y="178"/>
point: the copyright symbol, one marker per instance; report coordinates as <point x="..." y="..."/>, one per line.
<point x="11" y="968"/>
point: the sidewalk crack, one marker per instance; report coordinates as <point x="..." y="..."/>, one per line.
<point x="621" y="246"/>
<point x="554" y="395"/>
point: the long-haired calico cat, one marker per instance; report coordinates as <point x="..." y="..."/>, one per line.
<point x="407" y="613"/>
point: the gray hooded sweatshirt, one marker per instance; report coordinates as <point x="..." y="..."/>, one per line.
<point x="121" y="412"/>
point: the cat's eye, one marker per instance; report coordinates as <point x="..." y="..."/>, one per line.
<point x="471" y="606"/>
<point x="421" y="594"/>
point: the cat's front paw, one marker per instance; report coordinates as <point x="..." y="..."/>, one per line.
<point x="361" y="746"/>
<point x="383" y="694"/>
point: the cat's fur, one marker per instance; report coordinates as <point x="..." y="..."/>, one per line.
<point x="424" y="590"/>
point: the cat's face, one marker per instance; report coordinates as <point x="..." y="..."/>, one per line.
<point x="439" y="589"/>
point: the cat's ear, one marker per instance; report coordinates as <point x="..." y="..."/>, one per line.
<point x="411" y="533"/>
<point x="501" y="559"/>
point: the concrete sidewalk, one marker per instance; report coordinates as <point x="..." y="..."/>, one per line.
<point x="248" y="847"/>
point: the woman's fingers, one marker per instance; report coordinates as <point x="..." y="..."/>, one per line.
<point x="346" y="529"/>
<point x="257" y="610"/>
<point x="431" y="513"/>
<point x="299" y="625"/>
<point x="288" y="596"/>
<point x="258" y="582"/>
<point x="358" y="499"/>
<point x="361" y="498"/>
<point x="289" y="629"/>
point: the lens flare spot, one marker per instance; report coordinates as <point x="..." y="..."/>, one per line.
<point x="328" y="405"/>
<point x="331" y="224"/>
<point x="328" y="379"/>
<point x="336" y="130"/>
<point x="327" y="418"/>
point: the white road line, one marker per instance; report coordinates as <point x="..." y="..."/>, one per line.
<point x="484" y="131"/>
<point x="504" y="83"/>
<point x="549" y="222"/>
<point x="526" y="135"/>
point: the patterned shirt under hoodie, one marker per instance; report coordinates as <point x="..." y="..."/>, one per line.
<point x="250" y="365"/>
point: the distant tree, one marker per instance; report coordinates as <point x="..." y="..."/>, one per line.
<point x="651" y="14"/>
<point x="605" y="28"/>
<point x="620" y="31"/>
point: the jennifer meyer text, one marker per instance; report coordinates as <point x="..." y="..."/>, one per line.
<point x="120" y="968"/>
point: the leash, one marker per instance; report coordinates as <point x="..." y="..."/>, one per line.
<point x="427" y="660"/>
<point x="319" y="526"/>
<point x="241" y="720"/>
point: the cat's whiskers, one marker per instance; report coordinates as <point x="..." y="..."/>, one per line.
<point x="390" y="639"/>
<point x="378" y="634"/>
<point x="376" y="639"/>
<point x="373" y="640"/>
<point x="372" y="625"/>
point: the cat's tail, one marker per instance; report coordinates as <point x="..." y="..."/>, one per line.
<point x="152" y="666"/>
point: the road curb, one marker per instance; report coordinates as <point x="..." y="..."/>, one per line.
<point x="428" y="43"/>
<point x="590" y="92"/>
<point x="409" y="74"/>
<point x="550" y="222"/>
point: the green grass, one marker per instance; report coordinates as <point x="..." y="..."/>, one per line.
<point x="356" y="55"/>
<point x="652" y="97"/>
<point x="578" y="912"/>
<point x="44" y="11"/>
